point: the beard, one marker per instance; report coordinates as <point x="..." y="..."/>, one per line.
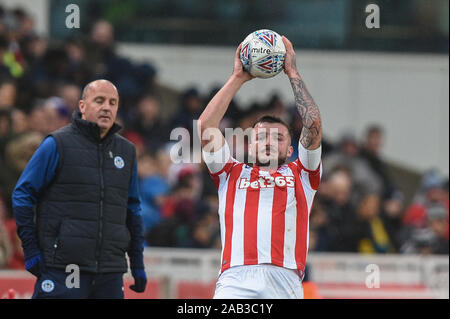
<point x="267" y="163"/>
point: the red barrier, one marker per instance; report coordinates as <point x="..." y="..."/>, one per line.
<point x="20" y="285"/>
<point x="195" y="290"/>
<point x="11" y="294"/>
<point x="153" y="290"/>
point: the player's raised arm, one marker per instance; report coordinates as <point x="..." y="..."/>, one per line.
<point x="311" y="135"/>
<point x="216" y="108"/>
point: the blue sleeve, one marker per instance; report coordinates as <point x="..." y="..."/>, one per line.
<point x="38" y="173"/>
<point x="134" y="203"/>
<point x="134" y="223"/>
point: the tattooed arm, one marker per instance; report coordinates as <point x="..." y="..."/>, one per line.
<point x="311" y="135"/>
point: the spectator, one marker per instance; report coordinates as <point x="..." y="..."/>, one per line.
<point x="19" y="121"/>
<point x="164" y="162"/>
<point x="34" y="50"/>
<point x="153" y="189"/>
<point x="5" y="247"/>
<point x="190" y="108"/>
<point x="137" y="140"/>
<point x="432" y="239"/>
<point x="78" y="67"/>
<point x="437" y="221"/>
<point x="206" y="231"/>
<point x="37" y="119"/>
<point x="180" y="210"/>
<point x="8" y="93"/>
<point x="18" y="152"/>
<point x="70" y="93"/>
<point x="57" y="113"/>
<point x="48" y="115"/>
<point x="319" y="224"/>
<point x="5" y="129"/>
<point x="5" y="244"/>
<point x="432" y="192"/>
<point x="131" y="80"/>
<point x="370" y="151"/>
<point x="9" y="64"/>
<point x="340" y="210"/>
<point x="99" y="46"/>
<point x="369" y="229"/>
<point x="348" y="155"/>
<point x="25" y="24"/>
<point x="392" y="214"/>
<point x="148" y="123"/>
<point x="6" y="176"/>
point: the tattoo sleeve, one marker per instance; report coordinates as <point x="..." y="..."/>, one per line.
<point x="311" y="134"/>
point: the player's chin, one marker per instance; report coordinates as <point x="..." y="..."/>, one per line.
<point x="267" y="161"/>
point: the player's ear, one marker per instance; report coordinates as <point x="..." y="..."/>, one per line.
<point x="290" y="151"/>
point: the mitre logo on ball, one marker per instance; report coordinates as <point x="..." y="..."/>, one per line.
<point x="262" y="53"/>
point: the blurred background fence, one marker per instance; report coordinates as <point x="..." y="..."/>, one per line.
<point x="192" y="273"/>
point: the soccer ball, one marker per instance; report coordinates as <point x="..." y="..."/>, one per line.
<point x="262" y="53"/>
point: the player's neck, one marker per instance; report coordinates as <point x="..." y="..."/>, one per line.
<point x="269" y="169"/>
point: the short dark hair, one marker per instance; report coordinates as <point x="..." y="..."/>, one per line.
<point x="274" y="119"/>
<point x="374" y="129"/>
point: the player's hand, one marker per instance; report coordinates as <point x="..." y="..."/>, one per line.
<point x="140" y="280"/>
<point x="290" y="66"/>
<point x="238" y="70"/>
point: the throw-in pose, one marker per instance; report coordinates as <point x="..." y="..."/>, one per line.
<point x="264" y="208"/>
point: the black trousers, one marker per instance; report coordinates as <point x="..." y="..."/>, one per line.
<point x="55" y="284"/>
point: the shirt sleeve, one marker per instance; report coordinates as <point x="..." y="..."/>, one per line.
<point x="134" y="203"/>
<point x="217" y="160"/>
<point x="37" y="175"/>
<point x="220" y="164"/>
<point x="310" y="159"/>
<point x="134" y="223"/>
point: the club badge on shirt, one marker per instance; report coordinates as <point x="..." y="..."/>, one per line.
<point x="48" y="285"/>
<point x="119" y="162"/>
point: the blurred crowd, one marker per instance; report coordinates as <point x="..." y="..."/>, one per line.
<point x="359" y="206"/>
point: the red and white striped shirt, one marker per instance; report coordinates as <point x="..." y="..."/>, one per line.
<point x="264" y="217"/>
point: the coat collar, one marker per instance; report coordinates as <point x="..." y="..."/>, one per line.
<point x="91" y="129"/>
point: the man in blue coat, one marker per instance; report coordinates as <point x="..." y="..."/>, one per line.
<point x="76" y="204"/>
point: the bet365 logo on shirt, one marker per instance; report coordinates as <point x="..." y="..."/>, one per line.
<point x="267" y="182"/>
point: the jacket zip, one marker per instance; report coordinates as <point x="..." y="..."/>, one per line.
<point x="55" y="247"/>
<point x="56" y="243"/>
<point x="102" y="194"/>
